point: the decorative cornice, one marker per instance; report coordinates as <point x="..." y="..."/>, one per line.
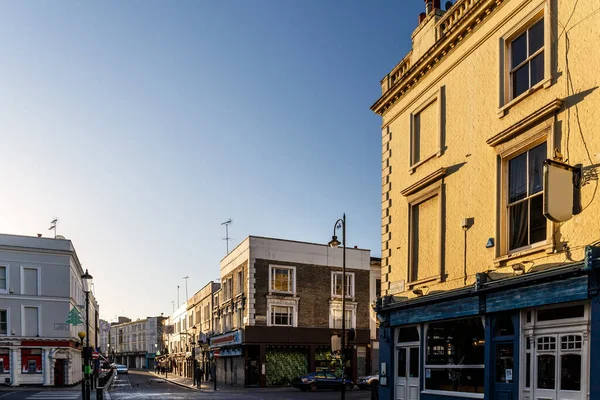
<point x="457" y="24"/>
<point x="423" y="183"/>
<point x="530" y="120"/>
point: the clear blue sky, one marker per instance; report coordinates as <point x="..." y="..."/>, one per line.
<point x="143" y="125"/>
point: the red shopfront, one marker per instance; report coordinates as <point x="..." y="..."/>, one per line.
<point x="4" y="361"/>
<point x="31" y="361"/>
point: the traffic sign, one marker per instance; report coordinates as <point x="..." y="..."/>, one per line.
<point x="95" y="355"/>
<point x="216" y="353"/>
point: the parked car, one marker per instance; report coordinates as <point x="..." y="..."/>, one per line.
<point x="320" y="380"/>
<point x="365" y="382"/>
<point x="122" y="369"/>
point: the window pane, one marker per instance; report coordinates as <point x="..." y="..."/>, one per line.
<point x="536" y="37"/>
<point x="537" y="69"/>
<point x="3" y="278"/>
<point x="551" y="314"/>
<point x="537" y="221"/>
<point x="517" y="177"/>
<point x="546" y="376"/>
<point x="337" y="284"/>
<point x="281" y="280"/>
<point x="520" y="81"/>
<point x="570" y="375"/>
<point x="456" y="342"/>
<point x="408" y="334"/>
<point x="518" y="50"/>
<point x="537" y="155"/>
<point x="468" y="380"/>
<point x="402" y="363"/>
<point x="3" y="323"/>
<point x="528" y="370"/>
<point x="504" y="325"/>
<point x="518" y="225"/>
<point x="504" y="361"/>
<point x="414" y="362"/>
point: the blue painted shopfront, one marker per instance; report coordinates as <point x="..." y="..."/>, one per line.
<point x="498" y="305"/>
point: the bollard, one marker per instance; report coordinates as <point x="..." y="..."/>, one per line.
<point x="99" y="392"/>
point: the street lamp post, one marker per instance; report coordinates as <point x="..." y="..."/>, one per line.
<point x="81" y="336"/>
<point x="335" y="243"/>
<point x="87" y="283"/>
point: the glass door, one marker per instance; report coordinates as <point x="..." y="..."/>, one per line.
<point x="559" y="367"/>
<point x="407" y="373"/>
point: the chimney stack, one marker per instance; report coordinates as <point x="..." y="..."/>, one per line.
<point x="431" y="5"/>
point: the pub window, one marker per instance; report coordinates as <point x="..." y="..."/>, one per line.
<point x="527" y="224"/>
<point x="455" y="356"/>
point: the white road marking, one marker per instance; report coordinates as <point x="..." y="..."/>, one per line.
<point x="70" y="395"/>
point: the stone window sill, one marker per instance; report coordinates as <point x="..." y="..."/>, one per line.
<point x="546" y="246"/>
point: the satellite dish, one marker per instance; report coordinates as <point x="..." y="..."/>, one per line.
<point x="59" y="237"/>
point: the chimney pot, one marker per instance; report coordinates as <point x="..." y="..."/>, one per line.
<point x="39" y="235"/>
<point x="356" y="247"/>
<point x="431" y="5"/>
<point x="422" y="17"/>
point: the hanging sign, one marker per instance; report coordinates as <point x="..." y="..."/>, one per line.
<point x="561" y="190"/>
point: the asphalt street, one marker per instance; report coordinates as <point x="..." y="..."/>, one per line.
<point x="143" y="385"/>
<point x="39" y="394"/>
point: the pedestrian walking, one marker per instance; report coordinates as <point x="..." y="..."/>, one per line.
<point x="197" y="376"/>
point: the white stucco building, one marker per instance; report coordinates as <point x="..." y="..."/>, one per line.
<point x="134" y="343"/>
<point x="40" y="283"/>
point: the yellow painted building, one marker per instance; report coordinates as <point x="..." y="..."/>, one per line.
<point x="490" y="91"/>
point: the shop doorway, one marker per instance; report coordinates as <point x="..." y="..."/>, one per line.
<point x="407" y="364"/>
<point x="253" y="366"/>
<point x="407" y="377"/>
<point x="556" y="352"/>
<point x="59" y="373"/>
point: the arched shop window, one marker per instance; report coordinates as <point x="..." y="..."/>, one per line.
<point x="410" y="334"/>
<point x="454" y="359"/>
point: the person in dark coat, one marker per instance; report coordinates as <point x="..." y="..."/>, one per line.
<point x="197" y="376"/>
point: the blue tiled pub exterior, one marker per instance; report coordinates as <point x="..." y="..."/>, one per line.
<point x="532" y="336"/>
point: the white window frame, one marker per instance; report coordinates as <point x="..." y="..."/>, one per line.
<point x="337" y="306"/>
<point x="539" y="136"/>
<point x="6" y="268"/>
<point x="290" y="315"/>
<point x="23" y="306"/>
<point x="293" y="275"/>
<point x="39" y="278"/>
<point x="349" y="275"/>
<point x="505" y="87"/>
<point x="7" y="309"/>
<point x="278" y="302"/>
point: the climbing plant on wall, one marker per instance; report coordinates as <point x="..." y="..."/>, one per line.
<point x="284" y="365"/>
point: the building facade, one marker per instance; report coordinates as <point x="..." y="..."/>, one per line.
<point x="279" y="305"/>
<point x="135" y="343"/>
<point x="488" y="293"/>
<point x="202" y="306"/>
<point x="40" y="287"/>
